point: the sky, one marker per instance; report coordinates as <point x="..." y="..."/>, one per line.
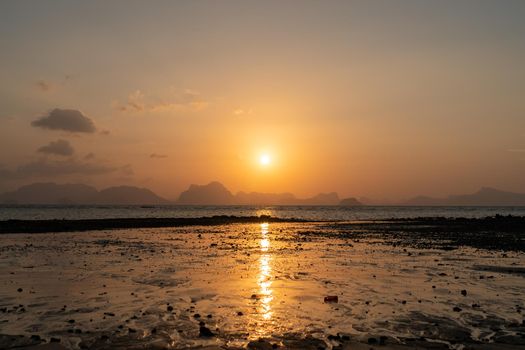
<point x="381" y="99"/>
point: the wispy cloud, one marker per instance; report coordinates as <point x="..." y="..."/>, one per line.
<point x="158" y="156"/>
<point x="137" y="101"/>
<point x="43" y="85"/>
<point x="239" y="112"/>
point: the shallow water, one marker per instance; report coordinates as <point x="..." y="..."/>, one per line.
<point x="51" y="212"/>
<point x="245" y="282"/>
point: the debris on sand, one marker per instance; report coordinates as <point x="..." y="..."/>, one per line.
<point x="331" y="299"/>
<point x="205" y="332"/>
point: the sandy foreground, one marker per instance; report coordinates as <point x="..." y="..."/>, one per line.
<point x="256" y="286"/>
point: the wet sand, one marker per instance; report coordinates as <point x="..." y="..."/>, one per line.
<point x="263" y="286"/>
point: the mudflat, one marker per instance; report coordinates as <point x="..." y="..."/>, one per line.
<point x="427" y="283"/>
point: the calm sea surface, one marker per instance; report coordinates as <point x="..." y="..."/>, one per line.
<point x="39" y="212"/>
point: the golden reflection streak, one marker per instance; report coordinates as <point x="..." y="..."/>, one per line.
<point x="265" y="275"/>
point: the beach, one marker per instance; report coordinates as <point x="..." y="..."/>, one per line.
<point x="265" y="285"/>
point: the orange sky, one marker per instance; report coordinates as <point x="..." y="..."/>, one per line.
<point x="367" y="98"/>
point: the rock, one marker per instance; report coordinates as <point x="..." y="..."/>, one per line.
<point x="331" y="299"/>
<point x="259" y="345"/>
<point x="456" y="309"/>
<point x="170" y="308"/>
<point x="205" y="332"/>
<point x="464" y="292"/>
<point x="382" y="340"/>
<point x="19" y="290"/>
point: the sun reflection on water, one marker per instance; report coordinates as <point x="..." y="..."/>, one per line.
<point x="265" y="275"/>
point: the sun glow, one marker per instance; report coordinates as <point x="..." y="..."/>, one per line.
<point x="265" y="159"/>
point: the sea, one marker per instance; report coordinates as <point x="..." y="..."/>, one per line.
<point x="69" y="212"/>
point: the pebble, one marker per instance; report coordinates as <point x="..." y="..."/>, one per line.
<point x="331" y="299"/>
<point x="205" y="332"/>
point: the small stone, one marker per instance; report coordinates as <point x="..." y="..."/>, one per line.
<point x="456" y="309"/>
<point x="239" y="313"/>
<point x="19" y="290"/>
<point x="464" y="292"/>
<point x="205" y="332"/>
<point x="331" y="299"/>
<point x="170" y="308"/>
<point x="382" y="340"/>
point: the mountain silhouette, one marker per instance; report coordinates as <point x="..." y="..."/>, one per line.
<point x="216" y="193"/>
<point x="350" y="202"/>
<point x="51" y="193"/>
<point x="486" y="196"/>
<point x="128" y="195"/>
<point x="213" y="193"/>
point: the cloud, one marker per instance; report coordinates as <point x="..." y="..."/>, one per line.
<point x="70" y="120"/>
<point x="188" y="100"/>
<point x="135" y="103"/>
<point x="51" y="85"/>
<point x="58" y="147"/>
<point x="158" y="156"/>
<point x="43" y="85"/>
<point x="239" y="112"/>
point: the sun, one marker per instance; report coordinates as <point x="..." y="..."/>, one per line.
<point x="265" y="159"/>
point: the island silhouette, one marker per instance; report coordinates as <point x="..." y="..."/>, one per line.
<point x="215" y="193"/>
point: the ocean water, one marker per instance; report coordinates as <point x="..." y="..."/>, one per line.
<point x="49" y="212"/>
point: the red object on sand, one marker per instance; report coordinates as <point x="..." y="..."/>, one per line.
<point x="331" y="299"/>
